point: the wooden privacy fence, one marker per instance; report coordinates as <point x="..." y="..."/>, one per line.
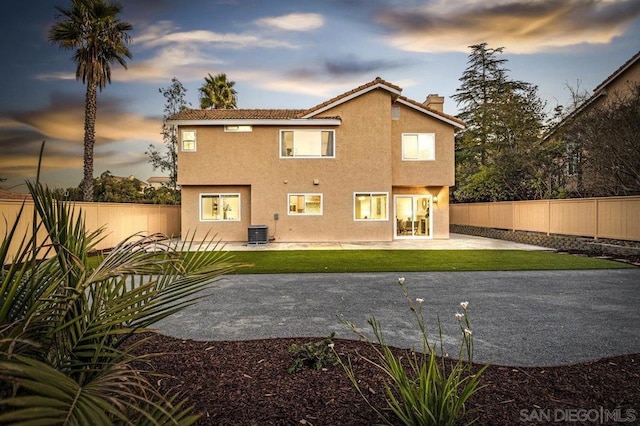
<point x="610" y="217"/>
<point x="119" y="220"/>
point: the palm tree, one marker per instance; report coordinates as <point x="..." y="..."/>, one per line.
<point x="67" y="320"/>
<point x="92" y="29"/>
<point x="218" y="92"/>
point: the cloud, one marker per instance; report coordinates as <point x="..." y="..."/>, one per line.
<point x="165" y="33"/>
<point x="293" y="22"/>
<point x="166" y="52"/>
<point x="121" y="139"/>
<point x="355" y="66"/>
<point x="349" y="68"/>
<point x="521" y="26"/>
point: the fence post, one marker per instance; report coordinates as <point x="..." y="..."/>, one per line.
<point x="548" y="217"/>
<point x="595" y="214"/>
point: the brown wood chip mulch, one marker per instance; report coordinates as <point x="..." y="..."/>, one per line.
<point x="246" y="383"/>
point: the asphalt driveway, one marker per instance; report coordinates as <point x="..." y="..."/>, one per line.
<point x="518" y="318"/>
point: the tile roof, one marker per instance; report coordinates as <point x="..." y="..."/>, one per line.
<point x="236" y="114"/>
<point x="8" y="195"/>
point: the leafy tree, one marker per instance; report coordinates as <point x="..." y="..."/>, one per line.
<point x="113" y="189"/>
<point x="498" y="155"/>
<point x="91" y="29"/>
<point x="67" y="322"/>
<point x="162" y="195"/>
<point x="609" y="137"/>
<point x="168" y="162"/>
<point x="218" y="92"/>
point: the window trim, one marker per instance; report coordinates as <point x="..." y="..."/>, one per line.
<point x="314" y="157"/>
<point x="432" y="140"/>
<point x="195" y="140"/>
<point x="320" y="194"/>
<point x="220" y="194"/>
<point x="370" y="194"/>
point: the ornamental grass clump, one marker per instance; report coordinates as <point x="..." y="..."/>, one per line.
<point x="423" y="388"/>
<point x="65" y="322"/>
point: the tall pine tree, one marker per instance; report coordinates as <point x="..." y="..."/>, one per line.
<point x="497" y="155"/>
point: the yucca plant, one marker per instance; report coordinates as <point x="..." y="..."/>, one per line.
<point x="64" y="324"/>
<point x="422" y="389"/>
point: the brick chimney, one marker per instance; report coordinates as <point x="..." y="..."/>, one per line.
<point x="434" y="101"/>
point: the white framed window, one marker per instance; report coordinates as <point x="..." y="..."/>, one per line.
<point x="418" y="146"/>
<point x="304" y="204"/>
<point x="370" y="206"/>
<point x="307" y="143"/>
<point x="238" y="128"/>
<point x="220" y="207"/>
<point x="188" y="140"/>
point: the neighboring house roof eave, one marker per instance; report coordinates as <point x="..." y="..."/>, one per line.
<point x="257" y="122"/>
<point x="599" y="91"/>
<point x="574" y="113"/>
<point x="619" y="71"/>
<point x="425" y="110"/>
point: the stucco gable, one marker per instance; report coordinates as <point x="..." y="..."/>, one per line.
<point x="454" y="121"/>
<point x="378" y="83"/>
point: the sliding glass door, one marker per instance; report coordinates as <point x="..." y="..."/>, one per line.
<point x="413" y="216"/>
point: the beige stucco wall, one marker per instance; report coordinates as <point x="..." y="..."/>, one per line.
<point x="438" y="172"/>
<point x="367" y="159"/>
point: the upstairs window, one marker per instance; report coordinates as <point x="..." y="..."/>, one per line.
<point x="370" y="206"/>
<point x="188" y="140"/>
<point x="418" y="146"/>
<point x="307" y="143"/>
<point x="305" y="204"/>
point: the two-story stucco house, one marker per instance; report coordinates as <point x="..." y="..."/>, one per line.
<point x="367" y="165"/>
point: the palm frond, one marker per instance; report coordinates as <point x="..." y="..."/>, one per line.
<point x="64" y="321"/>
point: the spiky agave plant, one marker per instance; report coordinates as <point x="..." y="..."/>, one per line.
<point x="64" y="322"/>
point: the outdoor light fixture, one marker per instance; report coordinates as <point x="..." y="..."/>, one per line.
<point x="435" y="199"/>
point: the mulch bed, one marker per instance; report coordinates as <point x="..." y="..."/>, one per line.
<point x="246" y="383"/>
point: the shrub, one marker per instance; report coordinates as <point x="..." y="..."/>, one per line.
<point x="316" y="355"/>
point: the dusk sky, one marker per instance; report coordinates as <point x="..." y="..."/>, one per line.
<point x="282" y="54"/>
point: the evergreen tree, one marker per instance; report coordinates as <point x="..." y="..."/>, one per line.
<point x="498" y="155"/>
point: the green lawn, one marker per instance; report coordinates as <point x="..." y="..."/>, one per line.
<point x="301" y="261"/>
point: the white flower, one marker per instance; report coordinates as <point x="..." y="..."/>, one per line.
<point x="331" y="345"/>
<point x="420" y="300"/>
<point x="464" y="305"/>
<point x="459" y="316"/>
<point x="401" y="280"/>
<point x="467" y="332"/>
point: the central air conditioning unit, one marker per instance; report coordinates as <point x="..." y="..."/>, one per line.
<point x="258" y="234"/>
